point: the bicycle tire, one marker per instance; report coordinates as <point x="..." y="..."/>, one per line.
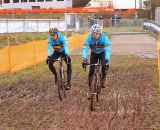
<point x="64" y="81"/>
<point x="99" y="84"/>
<point x="94" y="93"/>
<point x="61" y="86"/>
<point x="97" y="88"/>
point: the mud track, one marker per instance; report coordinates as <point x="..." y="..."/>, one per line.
<point x="128" y="102"/>
<point x="125" y="104"/>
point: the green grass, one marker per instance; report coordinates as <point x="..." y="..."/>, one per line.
<point x="41" y="15"/>
<point x="21" y="38"/>
<point x="33" y="16"/>
<point x="126" y="29"/>
<point x="37" y="70"/>
<point x="7" y="78"/>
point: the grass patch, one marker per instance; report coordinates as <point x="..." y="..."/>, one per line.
<point x="47" y="15"/>
<point x="21" y="38"/>
<point x="23" y="74"/>
<point x="39" y="69"/>
<point x="126" y="29"/>
<point x="34" y="16"/>
<point x="121" y="66"/>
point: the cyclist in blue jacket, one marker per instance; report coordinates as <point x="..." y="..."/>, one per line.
<point x="99" y="44"/>
<point x="59" y="43"/>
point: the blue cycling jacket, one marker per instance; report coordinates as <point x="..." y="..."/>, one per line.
<point x="97" y="46"/>
<point x="60" y="45"/>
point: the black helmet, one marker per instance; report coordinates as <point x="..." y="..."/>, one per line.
<point x="53" y="30"/>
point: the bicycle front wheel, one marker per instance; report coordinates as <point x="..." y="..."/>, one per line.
<point x="61" y="86"/>
<point x="94" y="96"/>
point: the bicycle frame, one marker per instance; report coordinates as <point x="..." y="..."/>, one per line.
<point x="95" y="87"/>
<point x="62" y="76"/>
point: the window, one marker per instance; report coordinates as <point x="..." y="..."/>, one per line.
<point x="40" y="0"/>
<point x="6" y="1"/>
<point x="36" y="7"/>
<point x="48" y="0"/>
<point x="23" y="0"/>
<point x="15" y="1"/>
<point x="60" y="0"/>
<point x="31" y="0"/>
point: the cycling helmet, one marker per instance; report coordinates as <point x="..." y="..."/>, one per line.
<point x="53" y="31"/>
<point x="96" y="28"/>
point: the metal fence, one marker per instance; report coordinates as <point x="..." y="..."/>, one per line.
<point x="32" y="25"/>
<point x="85" y="24"/>
<point x="110" y="25"/>
<point x="82" y="25"/>
<point x="123" y="24"/>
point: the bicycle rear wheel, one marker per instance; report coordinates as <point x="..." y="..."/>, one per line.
<point x="61" y="86"/>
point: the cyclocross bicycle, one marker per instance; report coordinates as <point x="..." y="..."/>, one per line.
<point x="61" y="79"/>
<point x="96" y="85"/>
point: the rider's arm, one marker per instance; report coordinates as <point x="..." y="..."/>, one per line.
<point x="106" y="42"/>
<point x="107" y="53"/>
<point x="85" y="48"/>
<point x="65" y="44"/>
<point x="49" y="47"/>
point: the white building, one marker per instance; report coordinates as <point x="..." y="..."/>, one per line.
<point x="120" y="4"/>
<point x="28" y="4"/>
<point x="131" y="4"/>
<point x="99" y="3"/>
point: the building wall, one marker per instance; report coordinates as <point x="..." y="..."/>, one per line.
<point x="129" y="4"/>
<point x="118" y="4"/>
<point x="99" y="3"/>
<point x="42" y="4"/>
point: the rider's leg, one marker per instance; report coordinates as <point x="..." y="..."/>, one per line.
<point x="54" y="56"/>
<point x="105" y="68"/>
<point x="93" y="60"/>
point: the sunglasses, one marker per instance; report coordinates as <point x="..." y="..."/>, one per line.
<point x="96" y="34"/>
<point x="53" y="34"/>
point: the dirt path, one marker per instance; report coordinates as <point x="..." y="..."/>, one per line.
<point x="141" y="44"/>
<point x="127" y="103"/>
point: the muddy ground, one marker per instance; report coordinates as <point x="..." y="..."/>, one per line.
<point x="129" y="102"/>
